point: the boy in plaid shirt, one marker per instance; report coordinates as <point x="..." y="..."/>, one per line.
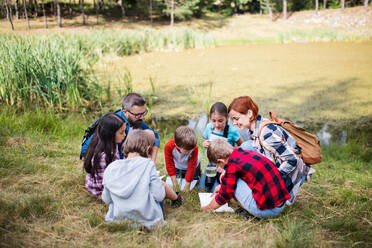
<point x="250" y="178"/>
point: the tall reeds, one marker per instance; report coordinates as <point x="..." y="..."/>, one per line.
<point x="129" y="42"/>
<point x="46" y="71"/>
<point x="55" y="71"/>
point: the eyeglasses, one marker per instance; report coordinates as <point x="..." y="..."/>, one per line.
<point x="139" y="115"/>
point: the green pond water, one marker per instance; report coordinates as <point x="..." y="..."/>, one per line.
<point x="325" y="87"/>
<point x="324" y="83"/>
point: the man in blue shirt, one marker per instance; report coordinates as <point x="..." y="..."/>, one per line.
<point x="133" y="112"/>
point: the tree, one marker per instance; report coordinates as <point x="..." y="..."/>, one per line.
<point x="260" y="7"/>
<point x="45" y="17"/>
<point x="8" y="13"/>
<point x="316" y="6"/>
<point x="58" y="7"/>
<point x="172" y="13"/>
<point x="151" y="11"/>
<point x="120" y="2"/>
<point x="268" y="6"/>
<point x="16" y="9"/>
<point x="324" y="4"/>
<point x="366" y="3"/>
<point x="285" y="9"/>
<point x="342" y="5"/>
<point x="27" y="21"/>
<point x="82" y="10"/>
<point x="36" y="7"/>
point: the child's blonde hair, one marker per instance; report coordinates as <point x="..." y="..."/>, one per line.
<point x="140" y="141"/>
<point x="218" y="149"/>
<point x="185" y="138"/>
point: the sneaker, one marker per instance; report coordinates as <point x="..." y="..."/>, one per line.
<point x="178" y="202"/>
<point x="244" y="213"/>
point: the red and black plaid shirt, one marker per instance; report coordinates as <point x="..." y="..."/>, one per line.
<point x="261" y="175"/>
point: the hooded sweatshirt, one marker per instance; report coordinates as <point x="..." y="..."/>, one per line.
<point x="133" y="191"/>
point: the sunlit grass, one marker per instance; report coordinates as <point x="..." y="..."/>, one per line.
<point x="44" y="202"/>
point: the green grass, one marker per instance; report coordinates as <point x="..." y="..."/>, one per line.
<point x="44" y="202"/>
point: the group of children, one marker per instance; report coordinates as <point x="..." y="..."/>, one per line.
<point x="134" y="190"/>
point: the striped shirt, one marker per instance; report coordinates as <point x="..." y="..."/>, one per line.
<point x="283" y="150"/>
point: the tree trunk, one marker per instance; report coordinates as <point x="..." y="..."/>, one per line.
<point x="36" y="7"/>
<point x="151" y="12"/>
<point x="316" y="6"/>
<point x="366" y="3"/>
<point x="69" y="7"/>
<point x="8" y="13"/>
<point x="260" y="7"/>
<point x="26" y="16"/>
<point x="120" y="2"/>
<point x="82" y="10"/>
<point x="172" y="13"/>
<point x="342" y="5"/>
<point x="16" y="9"/>
<point x="45" y="17"/>
<point x="58" y="7"/>
<point x="97" y="9"/>
<point x="269" y="9"/>
<point x="285" y="9"/>
<point x="324" y="4"/>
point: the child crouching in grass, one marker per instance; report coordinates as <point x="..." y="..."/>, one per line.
<point x="250" y="178"/>
<point x="131" y="186"/>
<point x="102" y="150"/>
<point x="181" y="157"/>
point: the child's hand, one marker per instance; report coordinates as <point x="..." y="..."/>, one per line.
<point x="220" y="170"/>
<point x="206" y="143"/>
<point x="206" y="209"/>
<point x="186" y="189"/>
<point x="216" y="189"/>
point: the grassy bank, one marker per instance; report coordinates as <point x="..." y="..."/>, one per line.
<point x="44" y="202"/>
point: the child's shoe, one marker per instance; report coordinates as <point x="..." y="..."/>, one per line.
<point x="178" y="202"/>
<point x="244" y="213"/>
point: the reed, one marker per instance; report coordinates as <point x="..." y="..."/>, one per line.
<point x="46" y="71"/>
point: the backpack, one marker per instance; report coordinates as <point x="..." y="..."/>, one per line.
<point x="88" y="134"/>
<point x="309" y="143"/>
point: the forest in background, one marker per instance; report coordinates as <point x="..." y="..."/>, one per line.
<point x="158" y="10"/>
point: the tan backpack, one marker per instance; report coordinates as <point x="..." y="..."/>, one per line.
<point x="309" y="143"/>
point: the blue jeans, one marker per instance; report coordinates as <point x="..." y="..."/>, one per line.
<point x="201" y="184"/>
<point x="244" y="195"/>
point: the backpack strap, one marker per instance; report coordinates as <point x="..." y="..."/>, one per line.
<point x="261" y="126"/>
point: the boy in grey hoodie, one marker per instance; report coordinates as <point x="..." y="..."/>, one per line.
<point x="132" y="187"/>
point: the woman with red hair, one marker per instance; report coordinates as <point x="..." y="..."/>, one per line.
<point x="276" y="143"/>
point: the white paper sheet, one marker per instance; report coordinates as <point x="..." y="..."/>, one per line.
<point x="181" y="183"/>
<point x="206" y="198"/>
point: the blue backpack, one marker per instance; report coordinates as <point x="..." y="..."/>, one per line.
<point x="89" y="135"/>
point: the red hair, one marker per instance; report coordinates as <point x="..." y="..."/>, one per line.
<point x="242" y="104"/>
